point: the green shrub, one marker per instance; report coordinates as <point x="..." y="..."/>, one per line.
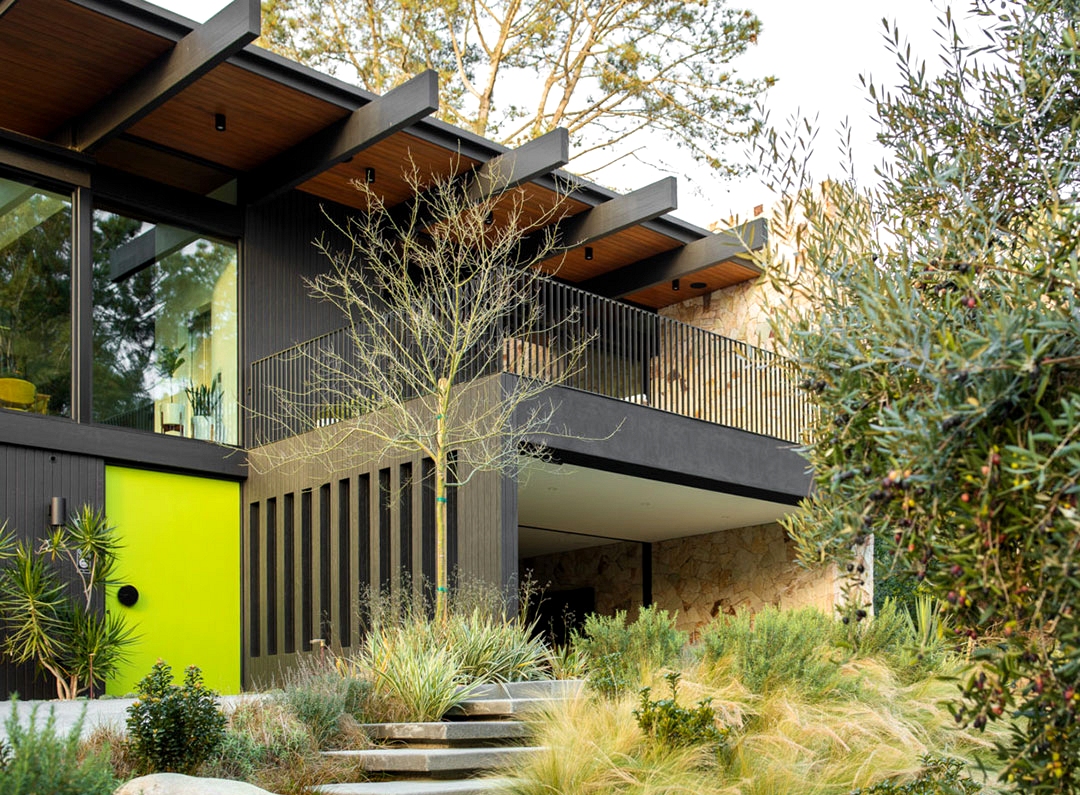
<point x="322" y="697"/>
<point x="774" y="648"/>
<point x="38" y="761"/>
<point x="174" y="728"/>
<point x="911" y="643"/>
<point x="677" y="727"/>
<point x="620" y="655"/>
<point x="939" y="776"/>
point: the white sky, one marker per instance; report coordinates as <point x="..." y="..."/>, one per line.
<point x="816" y="50"/>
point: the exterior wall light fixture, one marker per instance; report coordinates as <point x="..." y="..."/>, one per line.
<point x="675" y="285"/>
<point x="369" y="175"/>
<point x="57" y="511"/>
<point x="219" y="122"/>
<point x="588" y="253"/>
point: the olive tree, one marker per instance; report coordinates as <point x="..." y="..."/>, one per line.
<point x="941" y="350"/>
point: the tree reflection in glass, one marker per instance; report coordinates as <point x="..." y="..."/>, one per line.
<point x="35" y="299"/>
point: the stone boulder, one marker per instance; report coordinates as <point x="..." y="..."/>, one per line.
<point x="176" y="784"/>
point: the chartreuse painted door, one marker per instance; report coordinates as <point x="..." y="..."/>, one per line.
<point x="181" y="552"/>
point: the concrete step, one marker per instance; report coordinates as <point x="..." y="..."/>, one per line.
<point x="472" y="786"/>
<point x="497" y="709"/>
<point x="445" y="762"/>
<point x="544" y="688"/>
<point x="477" y="733"/>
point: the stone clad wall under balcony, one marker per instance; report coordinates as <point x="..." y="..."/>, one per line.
<point x="698" y="576"/>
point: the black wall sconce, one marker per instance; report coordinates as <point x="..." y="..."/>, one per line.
<point x="127" y="595"/>
<point x="369" y="175"/>
<point x="219" y="122"/>
<point x="489" y="219"/>
<point x="57" y="511"/>
<point x="588" y="253"/>
<point x="675" y="285"/>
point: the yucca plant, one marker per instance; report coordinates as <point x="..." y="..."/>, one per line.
<point x="76" y="644"/>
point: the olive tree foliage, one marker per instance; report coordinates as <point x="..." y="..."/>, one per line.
<point x="513" y="70"/>
<point x="435" y="300"/>
<point x="941" y="349"/>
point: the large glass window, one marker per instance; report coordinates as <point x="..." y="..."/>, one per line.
<point x="165" y="330"/>
<point x="35" y="299"/>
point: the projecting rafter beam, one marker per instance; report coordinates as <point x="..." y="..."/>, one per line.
<point x="208" y="45"/>
<point x="614" y="215"/>
<point x="498" y="175"/>
<point x="529" y="161"/>
<point x="364" y="127"/>
<point x="682" y="262"/>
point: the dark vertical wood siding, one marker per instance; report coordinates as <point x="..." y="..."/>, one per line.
<point x="279" y="252"/>
<point x="369" y="539"/>
<point x="29" y="479"/>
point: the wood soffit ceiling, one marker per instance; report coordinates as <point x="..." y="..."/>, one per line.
<point x="58" y="59"/>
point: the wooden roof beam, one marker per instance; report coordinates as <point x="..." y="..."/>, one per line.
<point x="498" y="175"/>
<point x="681" y="262"/>
<point x="193" y="56"/>
<point x="529" y="161"/>
<point x="608" y="218"/>
<point x="382" y="117"/>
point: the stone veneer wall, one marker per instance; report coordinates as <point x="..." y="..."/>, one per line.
<point x="699" y="576"/>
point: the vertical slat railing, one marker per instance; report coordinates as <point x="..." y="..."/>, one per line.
<point x="633" y="354"/>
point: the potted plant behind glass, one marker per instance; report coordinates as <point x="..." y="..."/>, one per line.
<point x="169" y="360"/>
<point x="205" y="401"/>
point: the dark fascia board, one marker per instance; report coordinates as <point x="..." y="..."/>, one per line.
<point x="661" y="445"/>
<point x="123" y="445"/>
<point x="144" y="198"/>
<point x="691" y="258"/>
<point x="44" y="159"/>
<point x="608" y="218"/>
<point x="193" y="56"/>
<point x="364" y="127"/>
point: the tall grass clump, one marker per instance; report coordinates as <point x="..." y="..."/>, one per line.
<point x="38" y="760"/>
<point x="621" y="656"/>
<point x="774" y="648"/>
<point x="597" y="747"/>
<point x="417" y="678"/>
<point x="495" y="649"/>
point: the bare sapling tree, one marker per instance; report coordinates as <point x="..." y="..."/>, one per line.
<point x="435" y="297"/>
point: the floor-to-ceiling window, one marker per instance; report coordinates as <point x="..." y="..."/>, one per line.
<point x="165" y="329"/>
<point x="35" y="299"/>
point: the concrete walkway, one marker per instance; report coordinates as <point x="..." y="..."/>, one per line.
<point x="99" y="712"/>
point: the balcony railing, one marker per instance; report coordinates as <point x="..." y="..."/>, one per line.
<point x="633" y="355"/>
